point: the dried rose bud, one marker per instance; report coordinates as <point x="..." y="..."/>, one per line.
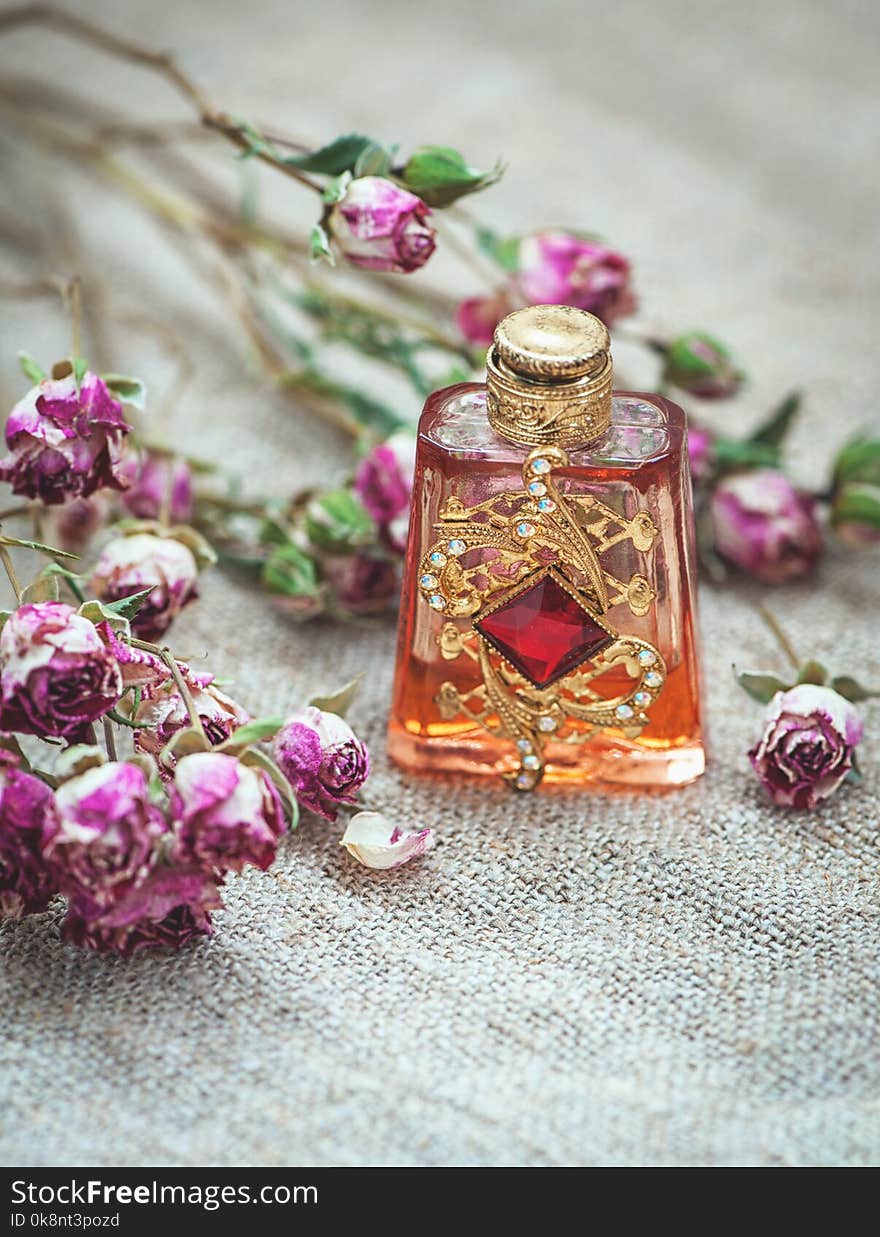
<point x="376" y="843"/>
<point x="102" y="842"/>
<point x="806" y="750"/>
<point x="384" y="477"/>
<point x="56" y="674"/>
<point x="556" y="268"/>
<point x="323" y="759"/>
<point x="766" y="527"/>
<point x="77" y="522"/>
<point x="360" y="583"/>
<point x="130" y="564"/>
<point x="381" y="226"/>
<point x="226" y="814"/>
<point x="166" y="910"/>
<point x="478" y="316"/>
<point x="27" y="807"/>
<point x="160" y="486"/>
<point x="701" y="453"/>
<point x="702" y="365"/>
<point x="162" y="712"/>
<point x="63" y="442"/>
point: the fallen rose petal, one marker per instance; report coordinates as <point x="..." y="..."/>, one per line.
<point x="377" y="843"/>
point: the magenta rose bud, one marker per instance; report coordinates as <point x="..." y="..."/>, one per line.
<point x="323" y="759"/>
<point x="478" y="316"/>
<point x="384" y="478"/>
<point x="159" y="486"/>
<point x="556" y="268"/>
<point x="226" y="814"/>
<point x="130" y="564"/>
<point x="361" y="583"/>
<point x="65" y="443"/>
<point x="381" y="226"/>
<point x="701" y="452"/>
<point x="77" y="522"/>
<point x="57" y="676"/>
<point x="765" y="526"/>
<point x="27" y="807"/>
<point x="806" y="750"/>
<point x="162" y="712"/>
<point x="701" y="365"/>
<point x="102" y="841"/>
<point x="167" y="909"/>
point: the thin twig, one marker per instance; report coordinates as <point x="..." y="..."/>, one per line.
<point x="6" y="560"/>
<point x="781" y="638"/>
<point x="185" y="694"/>
<point x="109" y="739"/>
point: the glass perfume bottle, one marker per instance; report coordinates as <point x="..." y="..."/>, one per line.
<point x="547" y="624"/>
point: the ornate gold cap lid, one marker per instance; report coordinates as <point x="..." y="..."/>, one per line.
<point x="549" y="377"/>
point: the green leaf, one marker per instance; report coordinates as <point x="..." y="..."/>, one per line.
<point x="254" y="731"/>
<point x="735" y="454"/>
<point x="35" y="545"/>
<point x="259" y="759"/>
<point x="122" y="720"/>
<point x="46" y="587"/>
<point x="184" y="743"/>
<point x="336" y="188"/>
<point x="340" y="701"/>
<point x="319" y="245"/>
<point x="371" y="414"/>
<point x="503" y="250"/>
<point x="340" y="155"/>
<point x="859" y="460"/>
<point x="79" y="759"/>
<point x="129" y="390"/>
<point x="851" y="689"/>
<point x="374" y="160"/>
<point x="29" y="367"/>
<point x="127" y="607"/>
<point x="74" y="581"/>
<point x="291" y="572"/>
<point x="199" y="546"/>
<point x="813" y="672"/>
<point x="98" y="612"/>
<point x="761" y="687"/>
<point x="337" y="520"/>
<point x="773" y="431"/>
<point x="856" y="503"/>
<point x="439" y="175"/>
<point x="80" y="368"/>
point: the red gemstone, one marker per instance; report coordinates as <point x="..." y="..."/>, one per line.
<point x="543" y="631"/>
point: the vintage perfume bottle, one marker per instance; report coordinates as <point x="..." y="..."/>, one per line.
<point x="547" y="624"/>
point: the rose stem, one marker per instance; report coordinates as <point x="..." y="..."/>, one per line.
<point x="160" y="62"/>
<point x="185" y="694"/>
<point x="6" y="560"/>
<point x="109" y="739"/>
<point x="73" y="298"/>
<point x="782" y="639"/>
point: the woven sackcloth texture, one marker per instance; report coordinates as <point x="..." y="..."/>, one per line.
<point x="566" y="978"/>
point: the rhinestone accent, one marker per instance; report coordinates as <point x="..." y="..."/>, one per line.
<point x="642" y="699"/>
<point x="531" y="762"/>
<point x="524" y="781"/>
<point x="456" y="547"/>
<point x="547" y="724"/>
<point x="646" y="657"/>
<point x="653" y="679"/>
<point x="624" y="712"/>
<point x="523" y="745"/>
<point x="429" y="581"/>
<point x="437" y="602"/>
<point x="546" y="504"/>
<point x="537" y="489"/>
<point x="437" y="559"/>
<point x="539" y="466"/>
<point x="525" y="529"/>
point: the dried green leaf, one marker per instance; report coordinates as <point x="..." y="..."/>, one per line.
<point x="254" y="731"/>
<point x="35" y="545"/>
<point x="46" y="587"/>
<point x="129" y="390"/>
<point x="761" y="687"/>
<point x="319" y="245"/>
<point x="184" y="743"/>
<point x="335" y="189"/>
<point x="503" y="250"/>
<point x="340" y="701"/>
<point x="851" y="689"/>
<point x="256" y="758"/>
<point x="79" y="759"/>
<point x="856" y="503"/>
<point x="340" y="155"/>
<point x="439" y="175"/>
<point x="773" y="431"/>
<point x="813" y="672"/>
<point x="29" y="367"/>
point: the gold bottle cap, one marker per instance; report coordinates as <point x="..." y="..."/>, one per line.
<point x="549" y="377"/>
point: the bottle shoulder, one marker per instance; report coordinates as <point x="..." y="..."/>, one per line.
<point x="644" y="428"/>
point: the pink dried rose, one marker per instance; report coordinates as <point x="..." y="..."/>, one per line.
<point x="159" y="486"/>
<point x="361" y="583"/>
<point x="376" y="843"/>
<point x="27" y="807"/>
<point x="700" y="453"/>
<point x="381" y="226"/>
<point x="143" y="560"/>
<point x="169" y="908"/>
<point x="77" y="522"/>
<point x="102" y="840"/>
<point x="162" y="712"/>
<point x="56" y="674"/>
<point x="806" y="750"/>
<point x="138" y="667"/>
<point x="226" y="814"/>
<point x="65" y="443"/>
<point x="766" y="527"/>
<point x="478" y="316"/>
<point x="557" y="268"/>
<point x="384" y="478"/>
<point x="323" y="759"/>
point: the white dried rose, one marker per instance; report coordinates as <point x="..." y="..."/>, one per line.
<point x="377" y="843"/>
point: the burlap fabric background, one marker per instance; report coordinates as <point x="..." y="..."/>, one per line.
<point x="567" y="979"/>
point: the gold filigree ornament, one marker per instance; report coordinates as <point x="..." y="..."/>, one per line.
<point x="537" y="550"/>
